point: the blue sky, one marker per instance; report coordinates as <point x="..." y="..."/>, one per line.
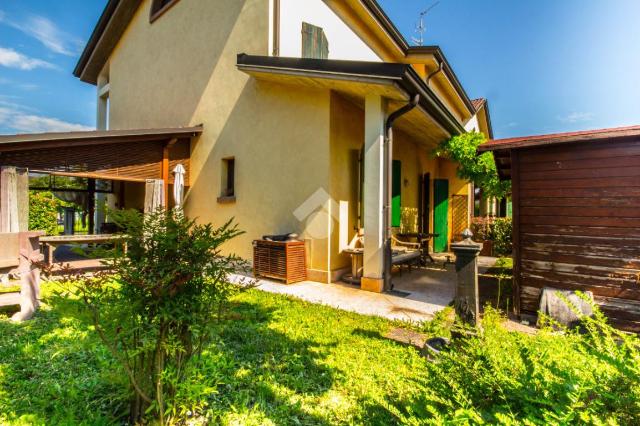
<point x="544" y="65"/>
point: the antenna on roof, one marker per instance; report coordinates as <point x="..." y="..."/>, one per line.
<point x="420" y="26"/>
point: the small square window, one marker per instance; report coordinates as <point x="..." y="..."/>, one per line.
<point x="228" y="190"/>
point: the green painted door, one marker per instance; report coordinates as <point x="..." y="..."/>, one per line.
<point x="396" y="194"/>
<point x="440" y="214"/>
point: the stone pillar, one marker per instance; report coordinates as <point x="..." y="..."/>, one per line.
<point x="374" y="187"/>
<point x="467" y="301"/>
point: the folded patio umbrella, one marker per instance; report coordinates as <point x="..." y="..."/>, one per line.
<point x="178" y="184"/>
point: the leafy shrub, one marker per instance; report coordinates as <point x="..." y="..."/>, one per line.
<point x="479" y="169"/>
<point x="496" y="229"/>
<point x="155" y="307"/>
<point x="502" y="236"/>
<point x="43" y="212"/>
<point x="504" y="377"/>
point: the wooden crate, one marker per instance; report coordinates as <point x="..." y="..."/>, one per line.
<point x="284" y="261"/>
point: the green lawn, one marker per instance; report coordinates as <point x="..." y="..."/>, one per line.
<point x="282" y="361"/>
<point x="278" y="361"/>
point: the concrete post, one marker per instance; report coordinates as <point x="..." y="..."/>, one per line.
<point x="467" y="300"/>
<point x="374" y="187"/>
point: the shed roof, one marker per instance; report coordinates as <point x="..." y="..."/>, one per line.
<point x="501" y="148"/>
<point x="53" y="140"/>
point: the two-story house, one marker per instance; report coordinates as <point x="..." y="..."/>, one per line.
<point x="308" y="116"/>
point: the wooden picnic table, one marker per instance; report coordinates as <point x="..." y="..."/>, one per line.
<point x="50" y="243"/>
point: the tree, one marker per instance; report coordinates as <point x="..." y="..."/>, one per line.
<point x="479" y="169"/>
<point x="153" y="309"/>
<point x="43" y="212"/>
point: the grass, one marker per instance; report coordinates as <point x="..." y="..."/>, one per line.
<point x="281" y="361"/>
<point x="277" y="361"/>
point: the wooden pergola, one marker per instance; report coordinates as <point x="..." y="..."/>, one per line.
<point x="142" y="155"/>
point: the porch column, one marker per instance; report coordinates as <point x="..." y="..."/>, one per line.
<point x="374" y="187"/>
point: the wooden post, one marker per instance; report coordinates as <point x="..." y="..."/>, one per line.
<point x="29" y="275"/>
<point x="91" y="206"/>
<point x="22" y="198"/>
<point x="8" y="200"/>
<point x="467" y="300"/>
<point x="165" y="169"/>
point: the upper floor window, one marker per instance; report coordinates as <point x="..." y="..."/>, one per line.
<point x="158" y="7"/>
<point x="314" y="42"/>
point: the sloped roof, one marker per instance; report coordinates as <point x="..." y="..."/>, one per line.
<point x="501" y="148"/>
<point x="478" y="103"/>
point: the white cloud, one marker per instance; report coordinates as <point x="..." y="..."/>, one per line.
<point x="23" y="86"/>
<point x="577" y="117"/>
<point x="21" y="121"/>
<point x="46" y="32"/>
<point x="12" y="59"/>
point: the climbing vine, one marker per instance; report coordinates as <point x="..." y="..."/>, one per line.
<point x="479" y="169"/>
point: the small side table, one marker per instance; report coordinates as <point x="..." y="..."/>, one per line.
<point x="355" y="275"/>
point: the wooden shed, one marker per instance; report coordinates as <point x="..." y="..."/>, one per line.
<point x="576" y="217"/>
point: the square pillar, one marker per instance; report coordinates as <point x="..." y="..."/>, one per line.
<point x="374" y="187"/>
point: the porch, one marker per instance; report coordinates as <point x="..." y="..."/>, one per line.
<point x="89" y="173"/>
<point x="426" y="294"/>
<point x="381" y="180"/>
<point x="417" y="294"/>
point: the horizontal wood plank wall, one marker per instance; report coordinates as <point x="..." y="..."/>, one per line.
<point x="134" y="160"/>
<point x="579" y="224"/>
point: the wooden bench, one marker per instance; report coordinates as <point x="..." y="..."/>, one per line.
<point x="19" y="254"/>
<point x="404" y="253"/>
<point x="50" y="243"/>
<point x="9" y="252"/>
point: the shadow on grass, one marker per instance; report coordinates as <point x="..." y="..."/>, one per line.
<point x="53" y="370"/>
<point x="264" y="372"/>
<point x="271" y="360"/>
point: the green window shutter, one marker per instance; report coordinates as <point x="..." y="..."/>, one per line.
<point x="314" y="42"/>
<point x="440" y="214"/>
<point x="396" y="190"/>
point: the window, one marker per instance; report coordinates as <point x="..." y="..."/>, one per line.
<point x="158" y="7"/>
<point x="228" y="192"/>
<point x="314" y="42"/>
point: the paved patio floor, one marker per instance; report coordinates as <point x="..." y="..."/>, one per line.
<point x="429" y="291"/>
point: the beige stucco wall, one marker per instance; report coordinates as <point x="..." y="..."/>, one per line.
<point x="181" y="70"/>
<point x="347" y="139"/>
<point x="288" y="142"/>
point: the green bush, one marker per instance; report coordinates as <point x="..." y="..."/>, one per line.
<point x="154" y="309"/>
<point x="43" y="212"/>
<point x="503" y="377"/>
<point x="502" y="236"/>
<point x="496" y="229"/>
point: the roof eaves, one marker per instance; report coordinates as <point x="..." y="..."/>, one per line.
<point x="561" y="138"/>
<point x="437" y="52"/>
<point x="97" y="135"/>
<point x="402" y="75"/>
<point x="386" y="23"/>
